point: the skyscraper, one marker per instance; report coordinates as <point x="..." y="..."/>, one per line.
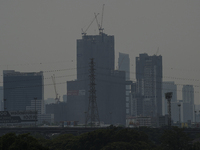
<point x="149" y="84"/>
<point x="110" y="84"/>
<point x="188" y="102"/>
<point x="1" y="98"/>
<point x="188" y="93"/>
<point x="20" y="88"/>
<point x="99" y="47"/>
<point x="124" y="65"/>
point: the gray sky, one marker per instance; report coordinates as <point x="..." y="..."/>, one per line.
<point x="41" y="35"/>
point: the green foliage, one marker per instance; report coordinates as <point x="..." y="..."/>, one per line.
<point x="154" y="134"/>
<point x="113" y="138"/>
<point x="11" y="141"/>
<point x="175" y="139"/>
<point x="63" y="141"/>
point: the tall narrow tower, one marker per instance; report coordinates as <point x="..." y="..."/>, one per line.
<point x="92" y="113"/>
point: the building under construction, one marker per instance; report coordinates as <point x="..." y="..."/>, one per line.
<point x="147" y="92"/>
<point x="110" y="83"/>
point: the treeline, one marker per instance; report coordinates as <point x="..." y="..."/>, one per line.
<point x="112" y="138"/>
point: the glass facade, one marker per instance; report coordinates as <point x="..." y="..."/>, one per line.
<point x="21" y="88"/>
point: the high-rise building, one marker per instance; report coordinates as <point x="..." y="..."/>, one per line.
<point x="188" y="93"/>
<point x="59" y="110"/>
<point x="134" y="107"/>
<point x="65" y="98"/>
<point x="110" y="84"/>
<point x="187" y="112"/>
<point x="124" y="65"/>
<point x="188" y="102"/>
<point x="99" y="47"/>
<point x="39" y="106"/>
<point x="20" y="88"/>
<point x="168" y="86"/>
<point x="174" y="111"/>
<point x="149" y="85"/>
<point x="1" y="98"/>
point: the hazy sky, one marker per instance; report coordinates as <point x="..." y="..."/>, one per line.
<point x="41" y="35"/>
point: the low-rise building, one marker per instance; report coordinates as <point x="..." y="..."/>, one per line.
<point x="139" y="121"/>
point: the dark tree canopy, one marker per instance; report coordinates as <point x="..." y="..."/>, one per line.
<point x="11" y="141"/>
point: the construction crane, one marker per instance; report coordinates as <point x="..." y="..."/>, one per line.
<point x="84" y="32"/>
<point x="98" y="25"/>
<point x="57" y="99"/>
<point x="101" y="29"/>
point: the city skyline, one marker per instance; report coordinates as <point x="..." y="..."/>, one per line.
<point x="41" y="36"/>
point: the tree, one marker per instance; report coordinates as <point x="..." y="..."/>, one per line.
<point x="11" y="141"/>
<point x="175" y="139"/>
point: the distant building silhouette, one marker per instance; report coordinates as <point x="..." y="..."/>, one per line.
<point x="1" y="98"/>
<point x="110" y="83"/>
<point x="148" y="99"/>
<point x="20" y="88"/>
<point x="168" y="86"/>
<point x="133" y="100"/>
<point x="175" y="111"/>
<point x="59" y="110"/>
<point x="124" y="65"/>
<point x="65" y="98"/>
<point x="42" y="117"/>
<point x="188" y="102"/>
<point x="188" y="93"/>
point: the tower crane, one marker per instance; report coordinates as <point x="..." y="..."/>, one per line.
<point x="99" y="25"/>
<point x="101" y="29"/>
<point x="57" y="99"/>
<point x="84" y="32"/>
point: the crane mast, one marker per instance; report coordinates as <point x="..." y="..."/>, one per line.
<point x="101" y="29"/>
<point x="57" y="99"/>
<point x="84" y="32"/>
<point x="99" y="24"/>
